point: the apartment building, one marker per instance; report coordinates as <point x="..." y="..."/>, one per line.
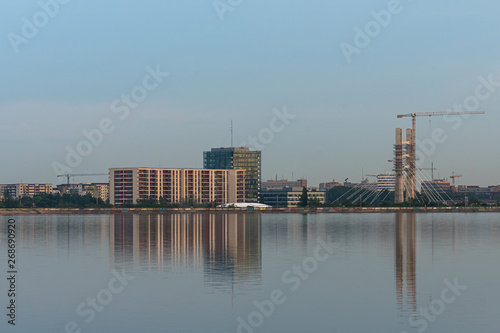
<point x="24" y="190"/>
<point x="97" y="190"/>
<point x="128" y="185"/>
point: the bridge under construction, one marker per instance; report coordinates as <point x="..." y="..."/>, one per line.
<point x="405" y="155"/>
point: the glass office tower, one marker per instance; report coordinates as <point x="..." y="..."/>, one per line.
<point x="238" y="158"/>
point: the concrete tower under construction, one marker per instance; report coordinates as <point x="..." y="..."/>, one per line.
<point x="398" y="166"/>
<point x="411" y="165"/>
<point x="405" y="180"/>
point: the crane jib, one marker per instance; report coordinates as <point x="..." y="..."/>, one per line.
<point x="430" y="114"/>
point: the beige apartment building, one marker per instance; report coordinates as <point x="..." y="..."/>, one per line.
<point x="97" y="190"/>
<point x="24" y="190"/>
<point x="128" y="185"/>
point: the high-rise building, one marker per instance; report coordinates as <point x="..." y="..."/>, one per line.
<point x="238" y="158"/>
<point x="128" y="185"/>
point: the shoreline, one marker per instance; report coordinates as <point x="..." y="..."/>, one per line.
<point x="340" y="210"/>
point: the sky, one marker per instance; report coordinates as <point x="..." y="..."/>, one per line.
<point x="316" y="85"/>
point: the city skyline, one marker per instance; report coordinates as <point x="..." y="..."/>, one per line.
<point x="318" y="87"/>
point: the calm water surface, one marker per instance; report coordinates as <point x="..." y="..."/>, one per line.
<point x="254" y="273"/>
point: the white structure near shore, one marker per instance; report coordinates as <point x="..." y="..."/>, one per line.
<point x="243" y="205"/>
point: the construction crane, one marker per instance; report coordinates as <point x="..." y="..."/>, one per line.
<point x="453" y="176"/>
<point x="67" y="175"/>
<point x="413" y="156"/>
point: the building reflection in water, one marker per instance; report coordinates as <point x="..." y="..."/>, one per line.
<point x="226" y="247"/>
<point x="406" y="263"/>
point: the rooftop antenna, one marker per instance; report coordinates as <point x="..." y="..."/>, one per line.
<point x="232" y="134"/>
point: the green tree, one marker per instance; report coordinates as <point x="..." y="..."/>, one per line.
<point x="9" y="201"/>
<point x="314" y="202"/>
<point x="303" y="201"/>
<point x="26" y="202"/>
<point x="148" y="202"/>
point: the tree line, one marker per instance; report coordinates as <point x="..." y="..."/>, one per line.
<point x="49" y="200"/>
<point x="335" y="197"/>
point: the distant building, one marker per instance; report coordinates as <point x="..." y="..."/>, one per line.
<point x="128" y="185"/>
<point x="386" y="181"/>
<point x="436" y="185"/>
<point x="486" y="191"/>
<point x="287" y="197"/>
<point x="97" y="190"/>
<point x="494" y="189"/>
<point x="238" y="158"/>
<point x="365" y="183"/>
<point x="280" y="184"/>
<point x="328" y="185"/>
<point x="24" y="190"/>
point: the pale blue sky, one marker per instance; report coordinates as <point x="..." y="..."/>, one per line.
<point x="264" y="55"/>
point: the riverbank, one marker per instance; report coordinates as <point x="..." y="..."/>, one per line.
<point x="76" y="211"/>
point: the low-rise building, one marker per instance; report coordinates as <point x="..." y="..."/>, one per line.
<point x="386" y="181"/>
<point x="494" y="189"/>
<point x="436" y="185"/>
<point x="24" y="190"/>
<point x="288" y="197"/>
<point x="280" y="184"/>
<point x="486" y="191"/>
<point x="365" y="183"/>
<point x="328" y="185"/>
<point x="97" y="190"/>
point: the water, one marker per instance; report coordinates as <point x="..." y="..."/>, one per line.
<point x="254" y="273"/>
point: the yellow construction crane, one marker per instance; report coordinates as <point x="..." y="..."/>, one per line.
<point x="67" y="175"/>
<point x="413" y="156"/>
<point x="453" y="176"/>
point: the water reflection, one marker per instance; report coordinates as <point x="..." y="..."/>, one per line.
<point x="212" y="267"/>
<point x="406" y="263"/>
<point x="63" y="234"/>
<point x="227" y="247"/>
